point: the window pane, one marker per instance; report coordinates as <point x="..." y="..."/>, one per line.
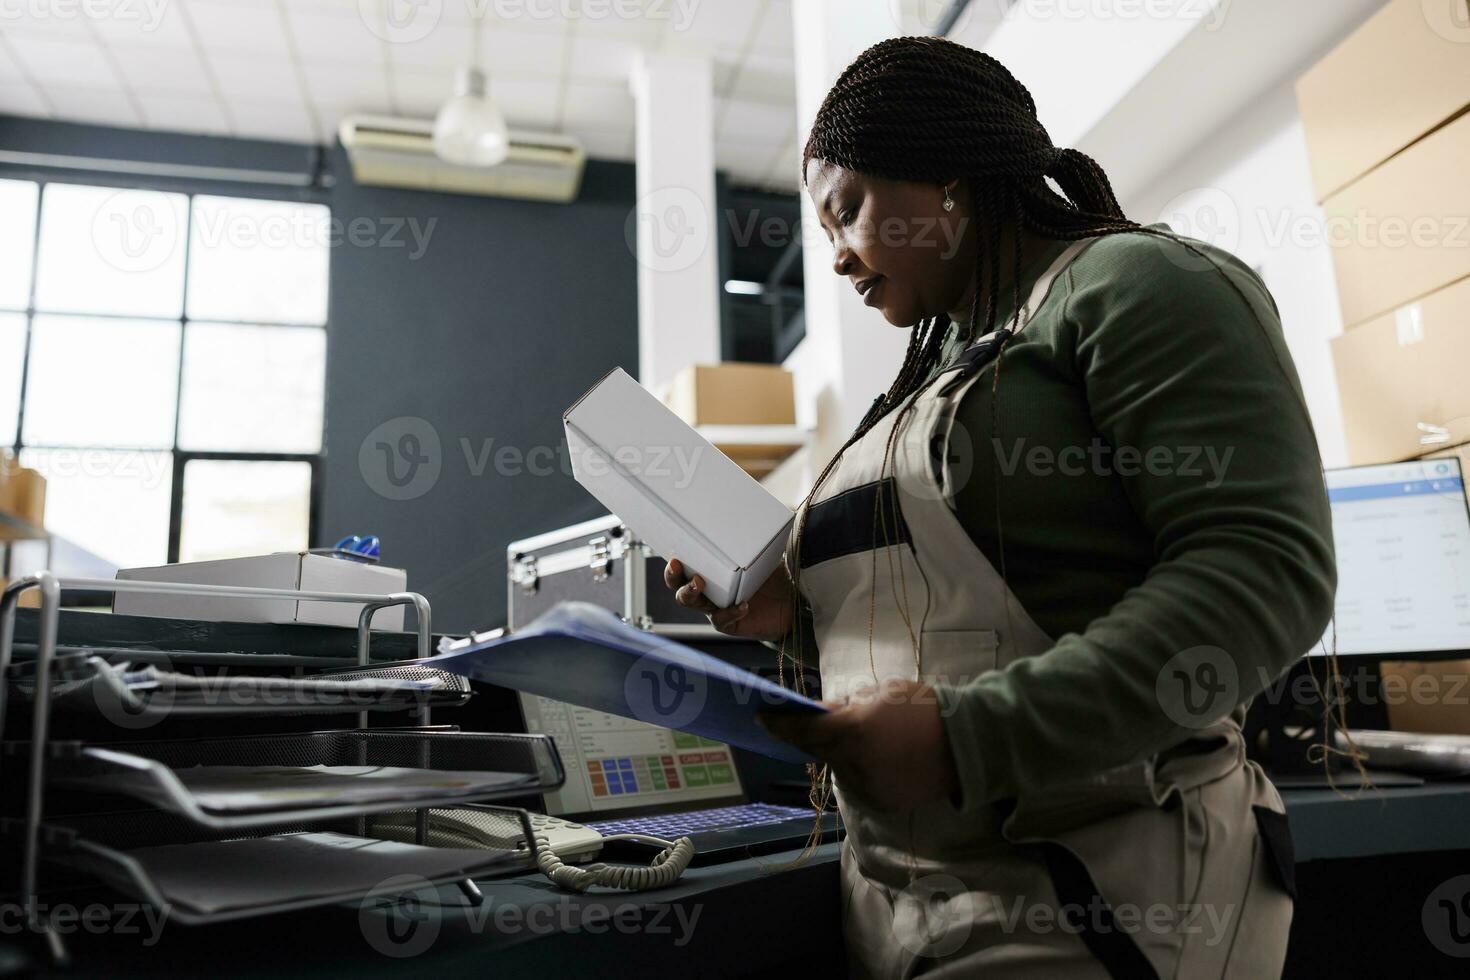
<point x="234" y="508"/>
<point x="102" y="382"/>
<point x="114" y="504"/>
<point x="12" y="352"/>
<point x="253" y="389"/>
<point x="105" y="250"/>
<point x="264" y="261"/>
<point x="17" y="240"/>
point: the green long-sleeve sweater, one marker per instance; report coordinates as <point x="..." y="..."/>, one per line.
<point x="1160" y="491"/>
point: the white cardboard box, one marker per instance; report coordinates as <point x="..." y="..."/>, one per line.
<point x="679" y="493"/>
<point x="284" y="570"/>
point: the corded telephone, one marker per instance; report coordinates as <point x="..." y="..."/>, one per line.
<point x="560" y="845"/>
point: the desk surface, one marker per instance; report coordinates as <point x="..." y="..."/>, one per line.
<point x="1393" y="820"/>
<point x="726" y="920"/>
<point x="742" y="918"/>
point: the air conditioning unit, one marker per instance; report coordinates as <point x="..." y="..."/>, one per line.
<point x="392" y="152"/>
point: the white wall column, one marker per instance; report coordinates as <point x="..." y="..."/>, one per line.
<point x="850" y="353"/>
<point x="674" y="233"/>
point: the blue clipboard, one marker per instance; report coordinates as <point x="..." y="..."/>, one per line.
<point x="585" y="655"/>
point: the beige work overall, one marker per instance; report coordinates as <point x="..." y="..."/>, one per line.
<point x="1177" y="866"/>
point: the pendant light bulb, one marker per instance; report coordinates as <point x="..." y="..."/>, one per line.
<point x="469" y="130"/>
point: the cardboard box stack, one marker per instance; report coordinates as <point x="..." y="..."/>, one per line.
<point x="22" y="492"/>
<point x="1427" y="696"/>
<point x="1388" y="131"/>
<point x="1387" y="119"/>
<point x="734" y="394"/>
<point x="23" y="496"/>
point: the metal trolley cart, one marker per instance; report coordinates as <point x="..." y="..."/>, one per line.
<point x="232" y="826"/>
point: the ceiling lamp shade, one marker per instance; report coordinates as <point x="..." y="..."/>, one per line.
<point x="469" y="130"/>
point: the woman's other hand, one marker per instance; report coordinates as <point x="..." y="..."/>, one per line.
<point x="887" y="745"/>
<point x="764" y="616"/>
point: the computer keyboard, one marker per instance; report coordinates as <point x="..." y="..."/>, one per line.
<point x="671" y="825"/>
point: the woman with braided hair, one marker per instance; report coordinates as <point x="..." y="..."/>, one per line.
<point x="1041" y="580"/>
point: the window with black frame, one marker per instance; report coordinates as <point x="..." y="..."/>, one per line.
<point x="162" y="362"/>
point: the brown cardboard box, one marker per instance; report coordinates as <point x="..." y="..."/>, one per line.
<point x="1398" y="77"/>
<point x="1403" y="231"/>
<point x="759" y="460"/>
<point x="29" y="599"/>
<point x="733" y="394"/>
<point x="22" y="492"/>
<point x="1430" y="697"/>
<point x="1460" y="452"/>
<point x="1403" y="368"/>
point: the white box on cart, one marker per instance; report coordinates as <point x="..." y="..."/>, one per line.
<point x="298" y="571"/>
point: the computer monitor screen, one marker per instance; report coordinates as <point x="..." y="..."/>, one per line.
<point x="1402" y="532"/>
<point x="615" y="763"/>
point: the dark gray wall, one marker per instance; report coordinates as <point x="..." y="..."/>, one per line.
<point x="512" y="310"/>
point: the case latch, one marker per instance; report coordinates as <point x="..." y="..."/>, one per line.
<point x="524" y="574"/>
<point x="601" y="560"/>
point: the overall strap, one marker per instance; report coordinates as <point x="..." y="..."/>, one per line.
<point x="973" y="358"/>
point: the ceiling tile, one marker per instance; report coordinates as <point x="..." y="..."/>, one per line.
<point x="347" y="86"/>
<point x="420" y="93"/>
<point x="20" y="98"/>
<point x="155" y="24"/>
<point x="726" y="24"/>
<point x="329" y="118"/>
<point x="345" y="8"/>
<point x="172" y="71"/>
<point x="522" y="52"/>
<point x="450" y="45"/>
<point x="538" y="16"/>
<point x="238" y="27"/>
<point x="601" y="57"/>
<point x="35" y="20"/>
<point x="754" y="122"/>
<point x="287" y="121"/>
<point x="694" y="47"/>
<point x="774" y="34"/>
<point x="184" y="114"/>
<point x="106" y="107"/>
<point x="72" y="63"/>
<point x="9" y="67"/>
<point x="528" y="102"/>
<point x="254" y="78"/>
<point x="638" y="21"/>
<point x="327" y="36"/>
<point x="766" y="78"/>
<point x="604" y="106"/>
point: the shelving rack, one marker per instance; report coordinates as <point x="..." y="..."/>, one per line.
<point x="171" y="813"/>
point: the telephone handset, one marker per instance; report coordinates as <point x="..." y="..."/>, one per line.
<point x="560" y="845"/>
